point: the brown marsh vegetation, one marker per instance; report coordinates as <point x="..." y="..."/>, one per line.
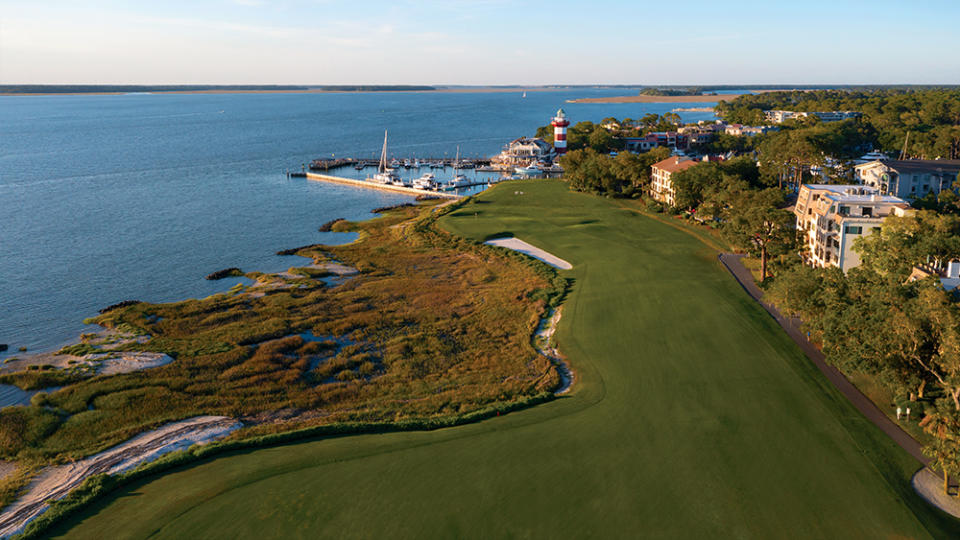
<point x="432" y="326"/>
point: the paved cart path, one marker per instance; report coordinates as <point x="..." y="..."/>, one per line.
<point x="791" y="326"/>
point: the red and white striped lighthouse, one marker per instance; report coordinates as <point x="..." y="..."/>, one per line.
<point x="560" y="124"/>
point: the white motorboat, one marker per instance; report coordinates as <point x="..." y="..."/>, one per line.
<point x="528" y="170"/>
<point x="427" y="181"/>
<point x="459" y="181"/>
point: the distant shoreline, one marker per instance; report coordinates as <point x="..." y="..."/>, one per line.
<point x="658" y="99"/>
<point x="703" y="98"/>
<point x="458" y="90"/>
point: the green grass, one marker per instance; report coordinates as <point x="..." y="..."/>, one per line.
<point x="693" y="416"/>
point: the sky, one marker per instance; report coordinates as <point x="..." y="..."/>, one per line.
<point x="479" y="42"/>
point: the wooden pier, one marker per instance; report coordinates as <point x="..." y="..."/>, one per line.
<point x="373" y="185"/>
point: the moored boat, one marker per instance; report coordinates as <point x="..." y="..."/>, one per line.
<point x="427" y="181"/>
<point x="385" y="175"/>
<point x="531" y="169"/>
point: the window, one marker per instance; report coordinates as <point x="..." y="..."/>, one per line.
<point x="844" y="210"/>
<point x="850" y="229"/>
<point x="866" y="211"/>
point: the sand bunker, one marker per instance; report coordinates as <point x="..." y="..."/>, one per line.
<point x="56" y="482"/>
<point x="930" y="486"/>
<point x="519" y="245"/>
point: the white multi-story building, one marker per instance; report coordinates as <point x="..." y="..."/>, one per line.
<point x="831" y="217"/>
<point x="908" y="179"/>
<point x="749" y="131"/>
<point x="778" y="117"/>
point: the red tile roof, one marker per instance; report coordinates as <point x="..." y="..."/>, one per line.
<point x="673" y="164"/>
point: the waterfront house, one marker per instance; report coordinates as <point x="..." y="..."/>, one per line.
<point x="908" y="179"/>
<point x="831" y="217"/>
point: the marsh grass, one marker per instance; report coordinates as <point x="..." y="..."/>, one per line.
<point x="432" y="327"/>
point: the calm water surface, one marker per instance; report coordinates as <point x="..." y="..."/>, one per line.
<point x="108" y="198"/>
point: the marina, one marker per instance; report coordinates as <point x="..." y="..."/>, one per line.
<point x="399" y="175"/>
<point x="375" y="185"/>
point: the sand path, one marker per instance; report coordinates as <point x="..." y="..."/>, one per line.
<point x="56" y="482"/>
<point x="542" y="341"/>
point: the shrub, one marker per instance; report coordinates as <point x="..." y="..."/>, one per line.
<point x="80" y="349"/>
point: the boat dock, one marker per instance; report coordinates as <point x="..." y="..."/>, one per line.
<point x="325" y="164"/>
<point x="373" y="185"/>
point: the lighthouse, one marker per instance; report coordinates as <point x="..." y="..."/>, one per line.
<point x="560" y="124"/>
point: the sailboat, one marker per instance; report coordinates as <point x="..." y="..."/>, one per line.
<point x="459" y="180"/>
<point x="384" y="174"/>
<point x="524" y="94"/>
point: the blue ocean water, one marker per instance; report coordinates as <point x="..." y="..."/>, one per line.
<point x="109" y="198"/>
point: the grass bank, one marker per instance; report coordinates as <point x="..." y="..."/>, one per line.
<point x="693" y="416"/>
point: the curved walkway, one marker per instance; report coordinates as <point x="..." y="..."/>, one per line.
<point x="792" y="327"/>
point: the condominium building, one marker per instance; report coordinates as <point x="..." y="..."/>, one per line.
<point x="661" y="188"/>
<point x="778" y="117"/>
<point x="749" y="131"/>
<point x="908" y="179"/>
<point x="831" y="217"/>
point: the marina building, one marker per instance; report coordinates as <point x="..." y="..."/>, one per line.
<point x="524" y="151"/>
<point x="908" y="179"/>
<point x="661" y="188"/>
<point x="832" y="217"/>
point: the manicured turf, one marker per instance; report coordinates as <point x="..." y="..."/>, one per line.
<point x="692" y="416"/>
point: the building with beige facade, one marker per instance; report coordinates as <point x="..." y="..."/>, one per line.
<point x="831" y="218"/>
<point x="661" y="188"/>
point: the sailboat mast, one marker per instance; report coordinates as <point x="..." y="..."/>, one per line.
<point x="383" y="154"/>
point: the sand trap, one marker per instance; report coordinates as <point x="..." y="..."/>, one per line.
<point x="56" y="482"/>
<point x="519" y="245"/>
<point x="930" y="487"/>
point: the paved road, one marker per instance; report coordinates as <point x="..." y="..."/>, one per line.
<point x="860" y="401"/>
